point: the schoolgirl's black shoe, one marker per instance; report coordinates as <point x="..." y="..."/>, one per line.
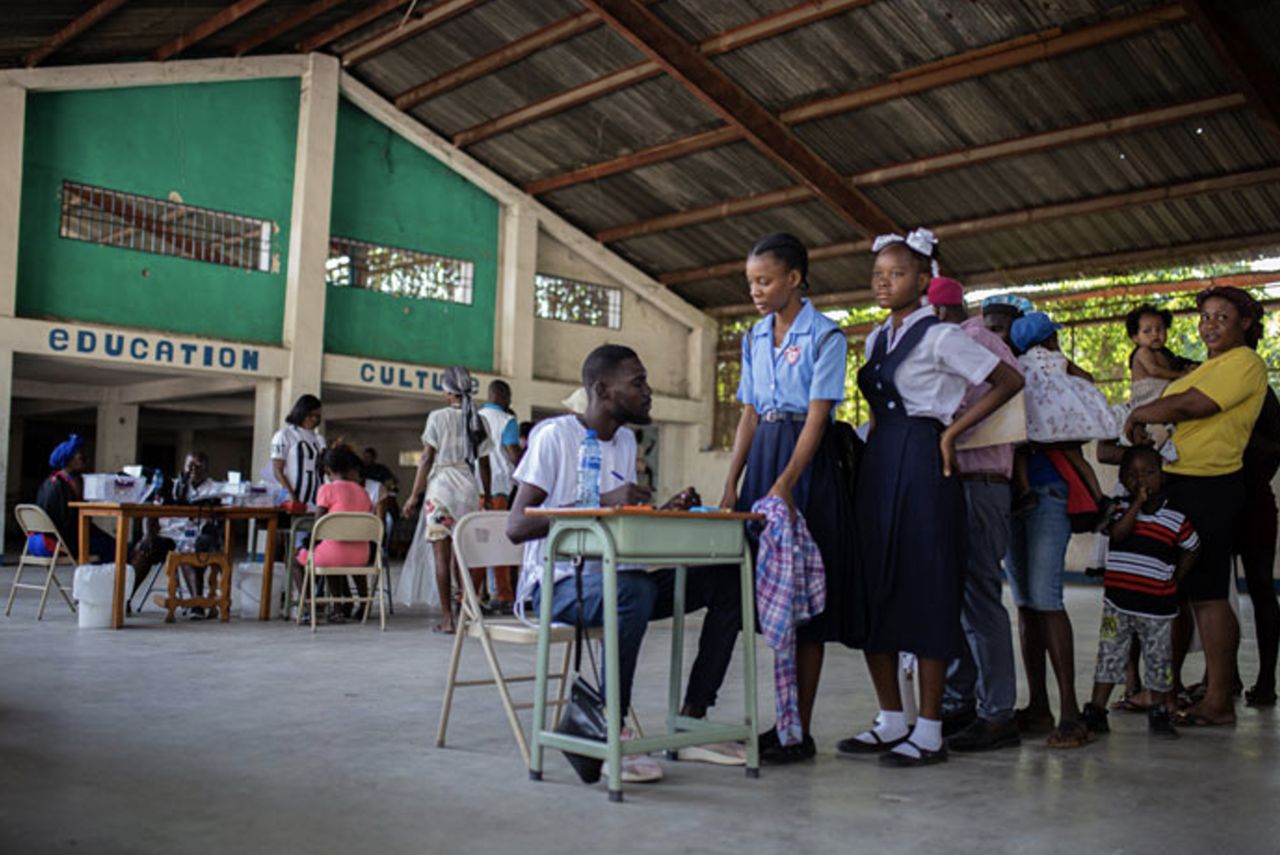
<point x="782" y="755"/>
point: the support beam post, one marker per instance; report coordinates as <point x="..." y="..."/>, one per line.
<point x="6" y="413"/>
<point x="116" y="442"/>
<point x="266" y="416"/>
<point x="303" y="332"/>
<point x="516" y="297"/>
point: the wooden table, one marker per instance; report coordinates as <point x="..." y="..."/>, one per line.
<point x="122" y="513"/>
<point x="654" y="539"/>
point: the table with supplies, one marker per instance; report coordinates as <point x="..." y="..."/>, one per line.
<point x="654" y="539"/>
<point x="124" y="513"/>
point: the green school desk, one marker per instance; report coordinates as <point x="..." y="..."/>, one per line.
<point x="655" y="539"/>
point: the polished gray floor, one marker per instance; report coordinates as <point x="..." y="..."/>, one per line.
<point x="248" y="737"/>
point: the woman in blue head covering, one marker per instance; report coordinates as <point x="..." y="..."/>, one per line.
<point x="63" y="486"/>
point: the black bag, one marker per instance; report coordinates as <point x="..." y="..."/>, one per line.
<point x="584" y="714"/>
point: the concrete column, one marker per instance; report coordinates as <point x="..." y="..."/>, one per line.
<point x="6" y="411"/>
<point x="303" y="332"/>
<point x="515" y="321"/>
<point x="266" y="418"/>
<point x="13" y="105"/>
<point x="117" y="436"/>
<point x="702" y="378"/>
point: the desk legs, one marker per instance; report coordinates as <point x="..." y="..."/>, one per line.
<point x="122" y="560"/>
<point x="612" y="678"/>
<point x="83" y="531"/>
<point x="677" y="653"/>
<point x="268" y="567"/>
<point x="749" y="665"/>
<point x="547" y="590"/>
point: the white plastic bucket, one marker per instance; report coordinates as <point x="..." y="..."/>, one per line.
<point x="92" y="588"/>
<point x="247" y="596"/>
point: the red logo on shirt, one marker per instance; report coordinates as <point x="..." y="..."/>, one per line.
<point x="793" y="354"/>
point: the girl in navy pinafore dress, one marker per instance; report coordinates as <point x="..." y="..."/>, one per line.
<point x="910" y="510"/>
<point x="793" y="374"/>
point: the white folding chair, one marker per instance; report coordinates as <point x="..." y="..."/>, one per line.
<point x="365" y="528"/>
<point x="33" y="520"/>
<point x="480" y="540"/>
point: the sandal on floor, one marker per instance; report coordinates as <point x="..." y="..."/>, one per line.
<point x="898" y="760"/>
<point x="439" y="629"/>
<point x="1186" y="718"/>
<point x="854" y="745"/>
<point x="1069" y="734"/>
<point x="1033" y="725"/>
<point x="1128" y="704"/>
<point x="1257" y="698"/>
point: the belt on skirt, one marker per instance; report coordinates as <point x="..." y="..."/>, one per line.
<point x="781" y="416"/>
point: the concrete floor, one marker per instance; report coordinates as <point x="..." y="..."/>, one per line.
<point x="248" y="737"/>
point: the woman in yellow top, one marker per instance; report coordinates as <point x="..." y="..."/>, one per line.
<point x="1214" y="408"/>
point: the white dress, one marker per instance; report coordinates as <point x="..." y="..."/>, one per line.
<point x="1062" y="407"/>
<point x="453" y="490"/>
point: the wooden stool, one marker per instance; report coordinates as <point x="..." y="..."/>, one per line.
<point x="219" y="571"/>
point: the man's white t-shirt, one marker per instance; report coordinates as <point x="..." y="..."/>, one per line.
<point x="551" y="465"/>
<point x="499" y="464"/>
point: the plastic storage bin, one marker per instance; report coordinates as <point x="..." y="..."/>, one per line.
<point x="92" y="588"/>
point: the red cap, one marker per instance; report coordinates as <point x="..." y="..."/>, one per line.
<point x="944" y="291"/>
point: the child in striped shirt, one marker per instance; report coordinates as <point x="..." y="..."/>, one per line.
<point x="1153" y="545"/>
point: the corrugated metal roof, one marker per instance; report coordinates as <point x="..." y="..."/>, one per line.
<point x="877" y="41"/>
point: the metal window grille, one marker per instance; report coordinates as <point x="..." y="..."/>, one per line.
<point x="127" y="220"/>
<point x="400" y="272"/>
<point x="558" y="299"/>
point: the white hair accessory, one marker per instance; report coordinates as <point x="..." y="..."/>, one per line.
<point x="921" y="241"/>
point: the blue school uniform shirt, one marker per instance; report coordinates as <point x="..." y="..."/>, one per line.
<point x="810" y="365"/>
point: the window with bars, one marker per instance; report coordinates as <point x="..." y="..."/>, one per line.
<point x="164" y="227"/>
<point x="400" y="272"/>
<point x="559" y="299"/>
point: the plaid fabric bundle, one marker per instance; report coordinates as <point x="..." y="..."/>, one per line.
<point x="791" y="588"/>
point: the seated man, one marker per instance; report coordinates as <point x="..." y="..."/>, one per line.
<point x="65" y="485"/>
<point x="162" y="536"/>
<point x="618" y="394"/>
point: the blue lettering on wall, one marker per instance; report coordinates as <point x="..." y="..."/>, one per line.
<point x="366" y="372"/>
<point x="142" y="349"/>
<point x="86" y="341"/>
<point x="248" y="360"/>
<point x="113" y="343"/>
<point x="58" y="339"/>
<point x="188" y="351"/>
<point x="138" y="348"/>
<point x="164" y="351"/>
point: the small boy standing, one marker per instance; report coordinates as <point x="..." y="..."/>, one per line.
<point x="1152" y="547"/>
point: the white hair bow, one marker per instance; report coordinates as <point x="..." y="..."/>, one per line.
<point x="919" y="240"/>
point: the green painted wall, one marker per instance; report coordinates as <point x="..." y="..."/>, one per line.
<point x="388" y="191"/>
<point x="226" y="146"/>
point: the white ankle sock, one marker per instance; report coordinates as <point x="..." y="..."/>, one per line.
<point x="890" y="725"/>
<point x="927" y="734"/>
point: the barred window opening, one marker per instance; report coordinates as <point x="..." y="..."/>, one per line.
<point x="399" y="272"/>
<point x="559" y="299"/>
<point x="164" y="227"/>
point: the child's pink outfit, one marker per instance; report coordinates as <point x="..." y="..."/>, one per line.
<point x="337" y="497"/>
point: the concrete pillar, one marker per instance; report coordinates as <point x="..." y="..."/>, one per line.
<point x="266" y="418"/>
<point x="116" y="442"/>
<point x="515" y="321"/>
<point x="303" y="332"/>
<point x="6" y="411"/>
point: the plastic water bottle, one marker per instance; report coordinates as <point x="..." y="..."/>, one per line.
<point x="589" y="471"/>
<point x="157" y="487"/>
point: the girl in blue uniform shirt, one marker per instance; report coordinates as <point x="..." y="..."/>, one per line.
<point x="911" y="517"/>
<point x="793" y="374"/>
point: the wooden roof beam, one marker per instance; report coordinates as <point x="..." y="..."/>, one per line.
<point x="284" y="25"/>
<point x="404" y="30"/>
<point x="1251" y="72"/>
<point x="800" y="15"/>
<point x="206" y="28"/>
<point x="761" y="128"/>
<point x="77" y="27"/>
<point x="315" y="41"/>
<point x="929" y="165"/>
<point x="553" y="33"/>
<point x="965" y="66"/>
<point x="1016" y="219"/>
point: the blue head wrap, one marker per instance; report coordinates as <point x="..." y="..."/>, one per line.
<point x="61" y="455"/>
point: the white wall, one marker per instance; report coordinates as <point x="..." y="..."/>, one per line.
<point x="559" y="347"/>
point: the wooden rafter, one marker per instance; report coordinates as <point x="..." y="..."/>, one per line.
<point x="1016" y="219"/>
<point x="929" y="165"/>
<point x="346" y="25"/>
<point x="760" y="29"/>
<point x="964" y="66"/>
<point x="401" y="31"/>
<point x="553" y="33"/>
<point x="1252" y="73"/>
<point x="82" y="23"/>
<point x="284" y="25"/>
<point x="206" y="28"/>
<point x="761" y="128"/>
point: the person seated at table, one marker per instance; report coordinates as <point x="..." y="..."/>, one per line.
<point x="63" y="486"/>
<point x="341" y="493"/>
<point x="185" y="534"/>
<point x="618" y="394"/>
